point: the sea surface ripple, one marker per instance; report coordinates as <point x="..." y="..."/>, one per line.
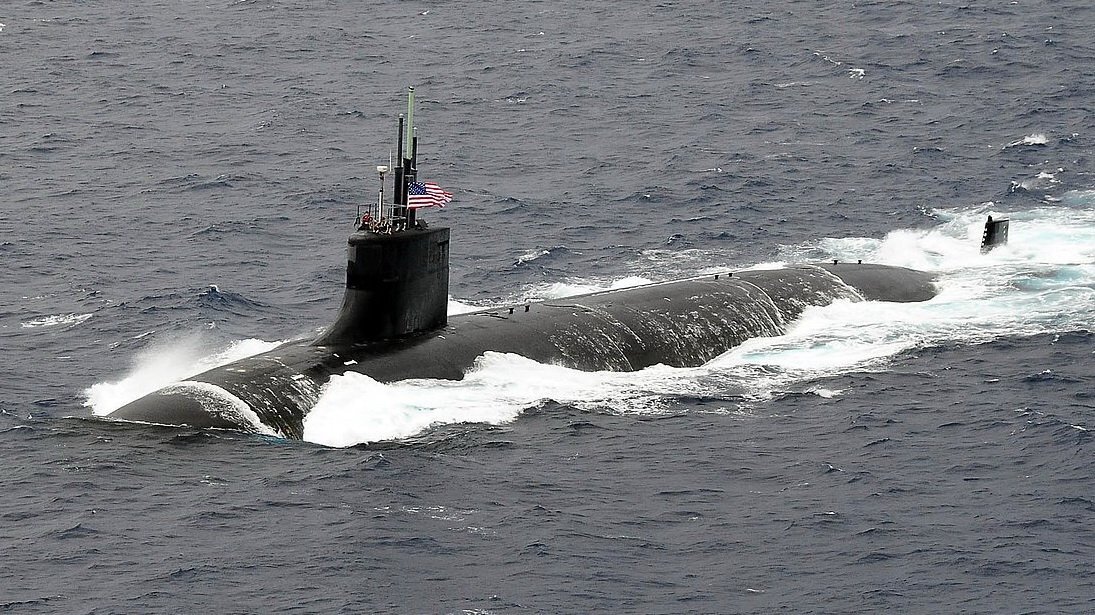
<point x="177" y="181"/>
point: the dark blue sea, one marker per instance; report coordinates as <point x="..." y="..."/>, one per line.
<point x="177" y="182"/>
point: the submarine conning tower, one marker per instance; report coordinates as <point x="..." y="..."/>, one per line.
<point x="397" y="270"/>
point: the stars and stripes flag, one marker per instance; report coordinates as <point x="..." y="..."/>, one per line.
<point x="426" y="194"/>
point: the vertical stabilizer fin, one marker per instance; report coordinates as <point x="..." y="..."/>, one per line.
<point x="996" y="234"/>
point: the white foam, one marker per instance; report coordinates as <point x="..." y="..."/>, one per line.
<point x="55" y="320"/>
<point x="164" y="363"/>
<point x="458" y="307"/>
<point x="530" y="256"/>
<point x="825" y="393"/>
<point x="220" y="403"/>
<point x="558" y="290"/>
<point x="772" y="266"/>
<point x="354" y="408"/>
<point x="1034" y="139"/>
<point x="1044" y="180"/>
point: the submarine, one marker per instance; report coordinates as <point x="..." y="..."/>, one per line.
<point x="393" y="322"/>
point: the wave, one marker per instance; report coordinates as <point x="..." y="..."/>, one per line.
<point x="55" y="320"/>
<point x="538" y="254"/>
<point x="557" y="290"/>
<point x="166" y="362"/>
<point x="226" y="301"/>
<point x="1037" y="139"/>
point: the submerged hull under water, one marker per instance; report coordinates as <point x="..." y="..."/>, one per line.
<point x="681" y="324"/>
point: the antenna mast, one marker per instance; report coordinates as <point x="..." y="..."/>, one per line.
<point x="396" y="216"/>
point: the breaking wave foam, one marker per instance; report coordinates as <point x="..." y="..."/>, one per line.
<point x="558" y="290"/>
<point x="55" y="320"/>
<point x="220" y="403"/>
<point x="1034" y="139"/>
<point x="165" y="363"/>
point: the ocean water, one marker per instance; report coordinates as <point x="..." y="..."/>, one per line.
<point x="177" y="182"/>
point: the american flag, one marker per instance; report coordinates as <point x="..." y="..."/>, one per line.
<point x="426" y="194"/>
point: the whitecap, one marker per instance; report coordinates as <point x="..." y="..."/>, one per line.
<point x="530" y="256"/>
<point x="824" y="393"/>
<point x="55" y="320"/>
<point x="1034" y="139"/>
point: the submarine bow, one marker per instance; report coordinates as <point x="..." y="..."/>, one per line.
<point x="393" y="324"/>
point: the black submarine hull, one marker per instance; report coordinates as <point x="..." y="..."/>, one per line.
<point x="683" y="323"/>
